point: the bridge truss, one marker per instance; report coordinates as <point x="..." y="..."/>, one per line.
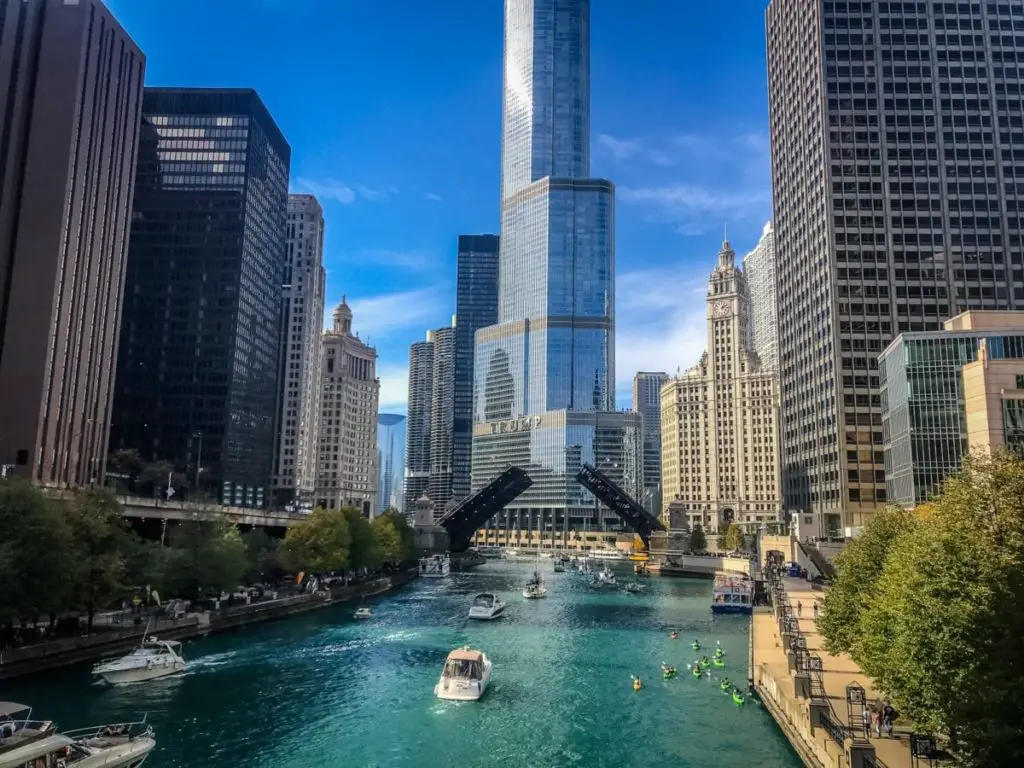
<point x="463" y="521"/>
<point x="620" y="502"/>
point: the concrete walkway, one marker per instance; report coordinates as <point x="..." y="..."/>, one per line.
<point x="838" y="671"/>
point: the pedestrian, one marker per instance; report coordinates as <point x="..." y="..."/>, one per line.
<point x="799" y="608"/>
<point x="865" y="717"/>
<point x="876" y="720"/>
<point x="888" y="715"/>
<point x="815" y="610"/>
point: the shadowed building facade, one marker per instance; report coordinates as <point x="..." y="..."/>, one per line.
<point x="71" y="84"/>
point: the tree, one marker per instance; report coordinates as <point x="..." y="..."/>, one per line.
<point x="362" y="554"/>
<point x="207" y="555"/>
<point x="153" y="478"/>
<point x="261" y="552"/>
<point x="387" y="542"/>
<point x="698" y="541"/>
<point x="100" y="544"/>
<point x="405" y="533"/>
<point x="36" y="561"/>
<point x="733" y="538"/>
<point x="858" y="568"/>
<point x="941" y="633"/>
<point x="319" y="544"/>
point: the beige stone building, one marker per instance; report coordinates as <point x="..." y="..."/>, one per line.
<point x="720" y="420"/>
<point x="346" y="473"/>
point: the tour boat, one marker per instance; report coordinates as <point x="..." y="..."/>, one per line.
<point x="363" y="613"/>
<point x="435" y="566"/>
<point x="605" y="576"/>
<point x="152" y="659"/>
<point x="534" y="588"/>
<point x="486" y="607"/>
<point x="465" y="676"/>
<point x="608" y="553"/>
<point x="733" y="592"/>
<point x="38" y="742"/>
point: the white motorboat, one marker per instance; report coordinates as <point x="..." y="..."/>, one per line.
<point x="608" y="553"/>
<point x="605" y="576"/>
<point x="154" y="658"/>
<point x="362" y="613"/>
<point x="535" y="588"/>
<point x="486" y="606"/>
<point x="465" y="676"/>
<point x="38" y="742"/>
<point x="435" y="566"/>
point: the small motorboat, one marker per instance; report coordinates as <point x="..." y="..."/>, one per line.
<point x="559" y="567"/>
<point x="486" y="606"/>
<point x="465" y="676"/>
<point x="152" y="659"/>
<point x="606" y="577"/>
<point x="363" y="613"/>
<point x="535" y="588"/>
<point x="633" y="587"/>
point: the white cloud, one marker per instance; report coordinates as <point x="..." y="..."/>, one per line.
<point x="434" y="197"/>
<point x="376" y="317"/>
<point x="700" y="208"/>
<point x="660" y="324"/>
<point x="394" y="387"/>
<point x="620" y="149"/>
<point x="339" y="191"/>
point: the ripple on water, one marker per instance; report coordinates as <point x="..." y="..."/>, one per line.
<point x="323" y="690"/>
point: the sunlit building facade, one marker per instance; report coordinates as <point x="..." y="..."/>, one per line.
<point x="544" y="374"/>
<point x="759" y="269"/>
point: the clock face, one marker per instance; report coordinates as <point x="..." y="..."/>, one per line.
<point x="721" y="308"/>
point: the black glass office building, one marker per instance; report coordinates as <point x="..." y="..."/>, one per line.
<point x="476" y="307"/>
<point x="198" y="358"/>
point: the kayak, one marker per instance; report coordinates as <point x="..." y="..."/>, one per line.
<point x="696" y="671"/>
<point x="718" y="662"/>
<point x="726" y="686"/>
<point x="669" y="674"/>
<point x="695" y="645"/>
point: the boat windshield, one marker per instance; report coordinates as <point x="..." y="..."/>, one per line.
<point x="483" y="601"/>
<point x="469" y="670"/>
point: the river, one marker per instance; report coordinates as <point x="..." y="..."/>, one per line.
<point x="322" y="690"/>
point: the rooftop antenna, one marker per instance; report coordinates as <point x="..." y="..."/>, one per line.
<point x="726" y="228"/>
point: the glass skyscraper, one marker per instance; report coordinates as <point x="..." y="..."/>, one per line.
<point x="545" y="373"/>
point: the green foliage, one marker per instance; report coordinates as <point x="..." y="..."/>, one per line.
<point x="261" y="553"/>
<point x="362" y="552"/>
<point x="319" y="544"/>
<point x="733" y="538"/>
<point x="206" y="556"/>
<point x="35" y="569"/>
<point x="698" y="541"/>
<point x="387" y="542"/>
<point x="406" y="535"/>
<point x="101" y="541"/>
<point x="858" y="568"/>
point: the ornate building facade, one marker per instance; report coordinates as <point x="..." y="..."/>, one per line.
<point x="720" y="420"/>
<point x="347" y="446"/>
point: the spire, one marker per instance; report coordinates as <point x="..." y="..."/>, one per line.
<point x="726" y="256"/>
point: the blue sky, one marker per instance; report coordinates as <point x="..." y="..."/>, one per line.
<point x="393" y="112"/>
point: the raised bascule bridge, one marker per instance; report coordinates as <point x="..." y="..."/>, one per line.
<point x="462" y="521"/>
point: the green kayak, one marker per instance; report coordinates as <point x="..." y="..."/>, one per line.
<point x="695" y="645"/>
<point x="696" y="671"/>
<point x="737" y="699"/>
<point x="719" y="662"/>
<point x="726" y="686"/>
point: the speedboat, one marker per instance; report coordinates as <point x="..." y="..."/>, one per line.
<point x="465" y="676"/>
<point x="435" y="566"/>
<point x="486" y="606"/>
<point x="152" y="659"/>
<point x="362" y="613"/>
<point x="39" y="743"/>
<point x="605" y="576"/>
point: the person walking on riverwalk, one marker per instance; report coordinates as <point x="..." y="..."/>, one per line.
<point x="815" y="610"/>
<point x="865" y="718"/>
<point x="799" y="608"/>
<point x="888" y="715"/>
<point x="876" y="720"/>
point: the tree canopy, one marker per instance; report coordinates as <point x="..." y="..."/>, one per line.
<point x="101" y="540"/>
<point x="733" y="538"/>
<point x="698" y="541"/>
<point x="319" y="544"/>
<point x="935" y="608"/>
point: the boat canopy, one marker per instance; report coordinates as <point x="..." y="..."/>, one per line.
<point x="9" y="708"/>
<point x="465" y="654"/>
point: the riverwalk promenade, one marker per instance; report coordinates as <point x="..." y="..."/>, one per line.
<point x="815" y="696"/>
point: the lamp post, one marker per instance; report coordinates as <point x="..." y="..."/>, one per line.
<point x="198" y="436"/>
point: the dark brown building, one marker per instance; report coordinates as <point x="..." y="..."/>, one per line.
<point x="70" y="97"/>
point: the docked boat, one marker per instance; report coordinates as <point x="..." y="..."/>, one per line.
<point x="733" y="592"/>
<point x="489" y="552"/>
<point x="486" y="606"/>
<point x="465" y="676"/>
<point x="640" y="569"/>
<point x="606" y="577"/>
<point x="27" y="742"/>
<point x="608" y="553"/>
<point x="535" y="588"/>
<point x="435" y="566"/>
<point x="152" y="659"/>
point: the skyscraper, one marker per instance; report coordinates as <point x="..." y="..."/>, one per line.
<point x="647" y="402"/>
<point x="389" y="478"/>
<point x="71" y="80"/>
<point x="759" y="268"/>
<point x="417" y="436"/>
<point x="896" y="145"/>
<point x="298" y="387"/>
<point x="197" y="367"/>
<point x="720" y="420"/>
<point x="442" y="420"/>
<point x="347" y="456"/>
<point x="545" y="373"/>
<point x="476" y="306"/>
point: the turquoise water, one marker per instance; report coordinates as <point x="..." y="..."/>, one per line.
<point x="322" y="690"/>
